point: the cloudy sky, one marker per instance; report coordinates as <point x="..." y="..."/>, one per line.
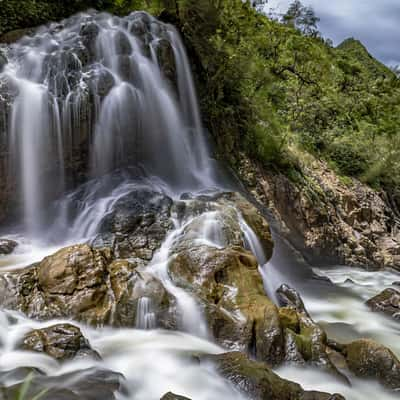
<point x="375" y="22"/>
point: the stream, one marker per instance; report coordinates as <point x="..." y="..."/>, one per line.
<point x="92" y="93"/>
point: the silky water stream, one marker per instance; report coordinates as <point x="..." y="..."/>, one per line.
<point x="96" y="93"/>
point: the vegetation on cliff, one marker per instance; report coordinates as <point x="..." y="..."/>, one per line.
<point x="271" y="89"/>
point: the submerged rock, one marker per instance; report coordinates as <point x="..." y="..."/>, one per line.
<point x="387" y="302"/>
<point x="258" y="381"/>
<point x="62" y="342"/>
<point x="7" y="246"/>
<point x="368" y="359"/>
<point x="90" y="384"/>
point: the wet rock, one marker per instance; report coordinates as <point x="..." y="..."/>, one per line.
<point x="86" y="284"/>
<point x="387" y="302"/>
<point x="253" y="218"/>
<point x="368" y="359"/>
<point x="90" y="384"/>
<point x="305" y="341"/>
<point x="62" y="342"/>
<point x="172" y="396"/>
<point x="3" y="61"/>
<point x="7" y="246"/>
<point x="226" y="210"/>
<point x="166" y="60"/>
<point x="89" y="33"/>
<point x="258" y="381"/>
<point x="229" y="287"/>
<point x="104" y="83"/>
<point x="137" y="225"/>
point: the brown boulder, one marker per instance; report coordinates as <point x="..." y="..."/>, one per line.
<point x="84" y="284"/>
<point x="62" y="342"/>
<point x="368" y="359"/>
<point x="387" y="302"/>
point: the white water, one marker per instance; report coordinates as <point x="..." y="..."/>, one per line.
<point x="115" y="103"/>
<point x="153" y="362"/>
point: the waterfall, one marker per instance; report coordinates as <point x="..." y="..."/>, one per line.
<point x="96" y="93"/>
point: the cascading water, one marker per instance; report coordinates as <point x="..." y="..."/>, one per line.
<point x="114" y="92"/>
<point x="98" y="107"/>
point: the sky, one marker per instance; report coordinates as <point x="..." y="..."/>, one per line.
<point x="376" y="23"/>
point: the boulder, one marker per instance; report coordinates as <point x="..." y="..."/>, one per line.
<point x="90" y="384"/>
<point x="62" y="342"/>
<point x="137" y="225"/>
<point x="7" y="246"/>
<point x="387" y="302"/>
<point x="305" y="341"/>
<point x="257" y="381"/>
<point x="228" y="285"/>
<point x="226" y="210"/>
<point x="368" y="359"/>
<point x="253" y="218"/>
<point x="86" y="284"/>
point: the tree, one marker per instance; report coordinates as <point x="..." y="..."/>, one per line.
<point x="259" y="5"/>
<point x="302" y="18"/>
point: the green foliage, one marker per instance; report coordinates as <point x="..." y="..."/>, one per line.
<point x="18" y="14"/>
<point x="22" y="393"/>
<point x="270" y="88"/>
<point x="303" y="18"/>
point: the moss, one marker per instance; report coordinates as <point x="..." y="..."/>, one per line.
<point x="289" y="318"/>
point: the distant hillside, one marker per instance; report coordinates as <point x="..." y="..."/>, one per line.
<point x="355" y="49"/>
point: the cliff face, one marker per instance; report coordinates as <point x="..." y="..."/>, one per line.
<point x="331" y="220"/>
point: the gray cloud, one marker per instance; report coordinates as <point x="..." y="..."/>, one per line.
<point x="375" y="23"/>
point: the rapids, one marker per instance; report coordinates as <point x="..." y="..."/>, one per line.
<point x="115" y="97"/>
